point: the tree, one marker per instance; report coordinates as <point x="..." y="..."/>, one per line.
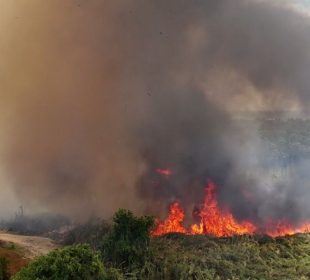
<point x="127" y="245"/>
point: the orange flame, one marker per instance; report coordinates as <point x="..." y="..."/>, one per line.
<point x="283" y="228"/>
<point x="219" y="223"/>
<point x="216" y="222"/>
<point x="174" y="221"/>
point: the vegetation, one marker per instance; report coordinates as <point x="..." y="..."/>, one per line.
<point x="11" y="259"/>
<point x="4" y="272"/>
<point x="126" y="252"/>
<point x="92" y="233"/>
<point x="70" y="263"/>
<point x="127" y="244"/>
<point x="177" y="256"/>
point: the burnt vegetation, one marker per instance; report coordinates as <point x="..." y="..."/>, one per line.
<point x="91" y="232"/>
<point x="38" y="224"/>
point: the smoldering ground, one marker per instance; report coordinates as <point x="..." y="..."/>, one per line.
<point x="98" y="94"/>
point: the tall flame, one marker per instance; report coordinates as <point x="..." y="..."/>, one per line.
<point x="220" y="223"/>
<point x="174" y="221"/>
<point x="217" y="222"/>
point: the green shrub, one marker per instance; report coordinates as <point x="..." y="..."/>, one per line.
<point x="114" y="274"/>
<point x="177" y="256"/>
<point x="4" y="274"/>
<point x="70" y="263"/>
<point x="127" y="245"/>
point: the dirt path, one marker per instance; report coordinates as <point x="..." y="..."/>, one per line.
<point x="34" y="246"/>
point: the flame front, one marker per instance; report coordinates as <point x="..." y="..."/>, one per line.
<point x="282" y="228"/>
<point x="216" y="222"/>
<point x="220" y="223"/>
<point x="174" y="221"/>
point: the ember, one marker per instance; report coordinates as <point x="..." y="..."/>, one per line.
<point x="166" y="172"/>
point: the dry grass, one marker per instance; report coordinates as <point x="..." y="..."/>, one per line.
<point x="202" y="257"/>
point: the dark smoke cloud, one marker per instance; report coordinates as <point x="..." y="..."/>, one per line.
<point x="101" y="93"/>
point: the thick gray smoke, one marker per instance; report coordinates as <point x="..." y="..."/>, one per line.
<point x="99" y="94"/>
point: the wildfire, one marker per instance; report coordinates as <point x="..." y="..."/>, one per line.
<point x="283" y="228"/>
<point x="216" y="222"/>
<point x="174" y="221"/>
<point x="220" y="223"/>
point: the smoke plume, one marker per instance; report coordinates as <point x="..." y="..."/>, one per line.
<point x="96" y="95"/>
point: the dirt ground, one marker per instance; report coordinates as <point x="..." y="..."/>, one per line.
<point x="16" y="259"/>
<point x="33" y="246"/>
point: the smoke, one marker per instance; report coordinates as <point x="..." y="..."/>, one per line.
<point x="98" y="94"/>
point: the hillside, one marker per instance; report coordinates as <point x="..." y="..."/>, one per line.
<point x="202" y="257"/>
<point x="13" y="256"/>
<point x="33" y="246"/>
<point x="197" y="257"/>
<point x="19" y="250"/>
<point x="124" y="250"/>
<point x="177" y="256"/>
